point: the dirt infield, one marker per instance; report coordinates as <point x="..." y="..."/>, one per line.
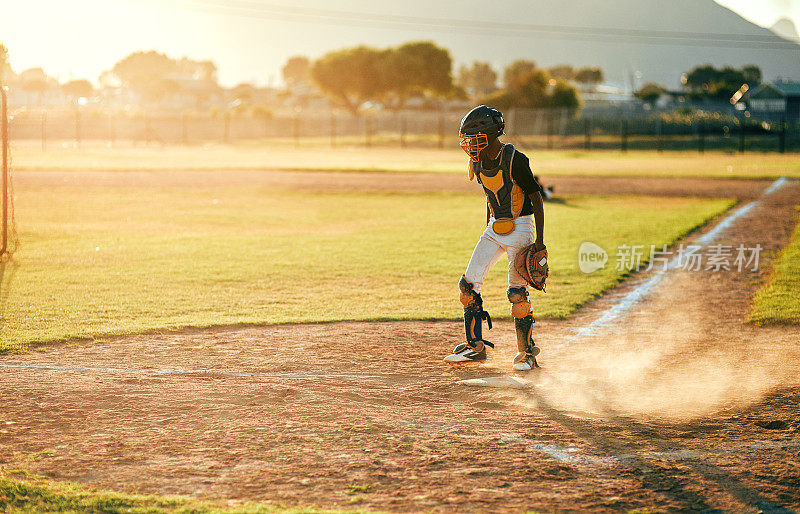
<point x="675" y="404"/>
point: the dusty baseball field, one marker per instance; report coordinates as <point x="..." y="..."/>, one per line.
<point x="674" y="404"/>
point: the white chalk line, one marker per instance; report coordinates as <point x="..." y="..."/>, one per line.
<point x="572" y="455"/>
<point x="629" y="300"/>
<point x="567" y="455"/>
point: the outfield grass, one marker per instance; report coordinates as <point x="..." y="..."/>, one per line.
<point x="112" y="260"/>
<point x="779" y="301"/>
<point x="22" y="492"/>
<point x="283" y="155"/>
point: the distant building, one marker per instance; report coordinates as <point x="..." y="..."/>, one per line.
<point x="780" y="98"/>
<point x="592" y="94"/>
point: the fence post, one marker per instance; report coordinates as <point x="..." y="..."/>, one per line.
<point x="77" y="127"/>
<point x="587" y="122"/>
<point x="701" y="136"/>
<point x="184" y="129"/>
<point x="403" y="129"/>
<point x="112" y="130"/>
<point x="441" y="129"/>
<point x="296" y="130"/>
<point x="624" y="135"/>
<point x="741" y="135"/>
<point x="782" y="137"/>
<point x="226" y="131"/>
<point x="660" y="136"/>
<point x="333" y="130"/>
<point x="512" y="123"/>
<point x="5" y="194"/>
<point x="549" y="130"/>
<point x="44" y="131"/>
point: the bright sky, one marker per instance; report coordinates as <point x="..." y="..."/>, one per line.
<point x="765" y="12"/>
<point x="81" y="38"/>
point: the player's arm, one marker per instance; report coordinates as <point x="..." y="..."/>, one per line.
<point x="523" y="175"/>
<point x="538" y="216"/>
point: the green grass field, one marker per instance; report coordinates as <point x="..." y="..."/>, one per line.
<point x="311" y="155"/>
<point x="21" y="492"/>
<point x="97" y="261"/>
<point x="779" y="301"/>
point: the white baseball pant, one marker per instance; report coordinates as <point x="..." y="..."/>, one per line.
<point x="491" y="247"/>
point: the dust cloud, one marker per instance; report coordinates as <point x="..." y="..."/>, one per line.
<point x="669" y="363"/>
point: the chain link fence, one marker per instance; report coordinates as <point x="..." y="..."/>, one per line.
<point x="586" y="129"/>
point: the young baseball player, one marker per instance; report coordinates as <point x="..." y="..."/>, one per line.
<point x="514" y="203"/>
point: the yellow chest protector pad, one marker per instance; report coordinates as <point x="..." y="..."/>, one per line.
<point x="505" y="198"/>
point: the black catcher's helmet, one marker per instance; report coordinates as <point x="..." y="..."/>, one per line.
<point x="479" y="127"/>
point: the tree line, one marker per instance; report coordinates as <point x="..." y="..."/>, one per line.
<point x="390" y="78"/>
<point x="707" y="83"/>
<point x="354" y="77"/>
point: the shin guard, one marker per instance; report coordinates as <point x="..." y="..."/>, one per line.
<point x="523" y="319"/>
<point x="474" y="315"/>
<point x="524" y="328"/>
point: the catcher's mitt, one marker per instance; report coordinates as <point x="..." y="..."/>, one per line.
<point x="531" y="263"/>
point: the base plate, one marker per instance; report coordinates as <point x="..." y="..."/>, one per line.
<point x="501" y="382"/>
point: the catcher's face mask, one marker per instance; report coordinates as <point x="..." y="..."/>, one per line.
<point x="473" y="144"/>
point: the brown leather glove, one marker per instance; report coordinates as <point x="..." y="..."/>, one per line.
<point x="531" y="262"/>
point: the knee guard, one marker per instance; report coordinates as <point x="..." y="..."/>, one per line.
<point x="520" y="306"/>
<point x="473" y="314"/>
<point x="523" y="319"/>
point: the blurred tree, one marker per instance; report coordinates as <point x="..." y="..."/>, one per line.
<point x="708" y="82"/>
<point x="77" y="88"/>
<point x="500" y="99"/>
<point x="154" y="75"/>
<point x="531" y="90"/>
<point x="197" y="79"/>
<point x="562" y="72"/>
<point x="4" y="65"/>
<point x="35" y="81"/>
<point x="244" y="92"/>
<point x="202" y="72"/>
<point x="296" y="71"/>
<point x="457" y="93"/>
<point x="350" y="76"/>
<point x="589" y="76"/>
<point x="701" y="77"/>
<point x="415" y="69"/>
<point x="36" y="86"/>
<point x="526" y="84"/>
<point x="529" y="87"/>
<point x="262" y="111"/>
<point x="170" y="87"/>
<point x="650" y="92"/>
<point x="108" y="79"/>
<point x="297" y="76"/>
<point x="752" y="74"/>
<point x="517" y="72"/>
<point x="353" y="76"/>
<point x="145" y="73"/>
<point x="478" y="79"/>
<point x="429" y="67"/>
<point x="564" y="96"/>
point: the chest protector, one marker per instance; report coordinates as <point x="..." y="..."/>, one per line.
<point x="504" y="196"/>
